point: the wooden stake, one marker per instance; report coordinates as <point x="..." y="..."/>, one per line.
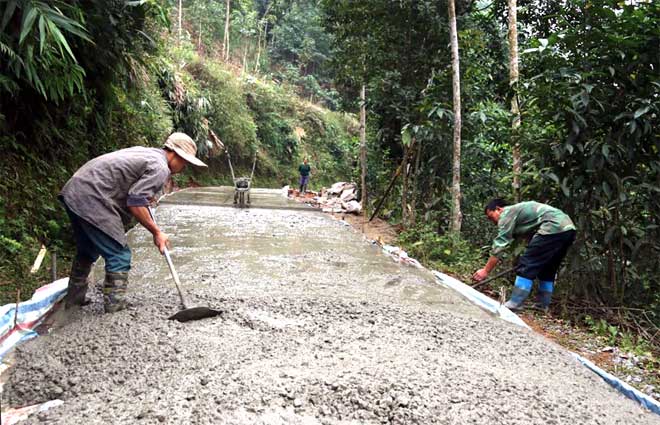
<point x="18" y="300"/>
<point x="387" y="192"/>
<point x="38" y="260"/>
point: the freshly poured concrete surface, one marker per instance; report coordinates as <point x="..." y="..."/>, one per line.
<point x="320" y="328"/>
<point x="224" y="195"/>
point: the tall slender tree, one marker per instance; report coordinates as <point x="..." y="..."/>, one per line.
<point x="415" y="182"/>
<point x="225" y="42"/>
<point x="456" y="215"/>
<point x="363" y="147"/>
<point x="180" y="11"/>
<point x="404" y="184"/>
<point x="513" y="85"/>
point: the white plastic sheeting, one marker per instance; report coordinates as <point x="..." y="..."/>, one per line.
<point x="479" y="299"/>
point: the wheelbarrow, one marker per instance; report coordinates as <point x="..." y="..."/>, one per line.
<point x="242" y="185"/>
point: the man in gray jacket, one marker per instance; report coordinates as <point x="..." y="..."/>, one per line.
<point x="101" y="199"/>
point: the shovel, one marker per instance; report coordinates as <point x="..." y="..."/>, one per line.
<point x="188" y="313"/>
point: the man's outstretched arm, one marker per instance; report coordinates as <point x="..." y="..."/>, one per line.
<point x="481" y="274"/>
<point x="141" y="214"/>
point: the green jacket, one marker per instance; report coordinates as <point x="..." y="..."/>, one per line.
<point x="304" y="169"/>
<point x="526" y="219"/>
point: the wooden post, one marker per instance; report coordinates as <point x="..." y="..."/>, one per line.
<point x="53" y="265"/>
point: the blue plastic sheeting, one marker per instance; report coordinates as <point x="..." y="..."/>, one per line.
<point x="30" y="314"/>
<point x="623" y="388"/>
<point x="479" y="299"/>
<point x="493" y="306"/>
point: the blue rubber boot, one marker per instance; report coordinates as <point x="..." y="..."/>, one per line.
<point x="520" y="292"/>
<point x="545" y="294"/>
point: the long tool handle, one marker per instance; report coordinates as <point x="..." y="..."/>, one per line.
<point x="175" y="275"/>
<point x="254" y="165"/>
<point x="233" y="177"/>
<point x="505" y="272"/>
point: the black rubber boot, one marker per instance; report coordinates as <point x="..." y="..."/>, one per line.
<point x="77" y="289"/>
<point x="114" y="291"/>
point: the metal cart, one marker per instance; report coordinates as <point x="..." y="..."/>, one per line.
<point x="242" y="185"/>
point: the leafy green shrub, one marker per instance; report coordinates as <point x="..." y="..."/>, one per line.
<point x="272" y="111"/>
<point x="330" y="142"/>
<point x="144" y="116"/>
<point x="447" y="253"/>
<point x="228" y="115"/>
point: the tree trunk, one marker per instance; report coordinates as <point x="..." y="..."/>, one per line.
<point x="180" y="19"/>
<point x="415" y="184"/>
<point x="199" y="36"/>
<point x="363" y="147"/>
<point x="265" y="37"/>
<point x="256" y="63"/>
<point x="387" y="192"/>
<point x="456" y="215"/>
<point x="245" y="52"/>
<point x="225" y="42"/>
<point x="513" y="85"/>
<point x="404" y="188"/>
<point x="611" y="273"/>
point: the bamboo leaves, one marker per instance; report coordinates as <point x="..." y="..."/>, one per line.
<point x="8" y="13"/>
<point x="29" y="15"/>
<point x="37" y="44"/>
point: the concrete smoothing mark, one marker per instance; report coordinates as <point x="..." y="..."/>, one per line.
<point x="319" y="327"/>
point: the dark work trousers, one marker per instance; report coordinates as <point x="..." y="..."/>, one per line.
<point x="91" y="243"/>
<point x="543" y="255"/>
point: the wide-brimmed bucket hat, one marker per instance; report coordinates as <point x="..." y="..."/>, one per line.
<point x="185" y="147"/>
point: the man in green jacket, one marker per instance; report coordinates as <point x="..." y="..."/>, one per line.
<point x="305" y="171"/>
<point x="550" y="231"/>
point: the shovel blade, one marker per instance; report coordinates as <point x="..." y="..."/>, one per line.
<point x="194" y="313"/>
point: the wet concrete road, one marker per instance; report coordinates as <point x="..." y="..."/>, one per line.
<point x="319" y="328"/>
